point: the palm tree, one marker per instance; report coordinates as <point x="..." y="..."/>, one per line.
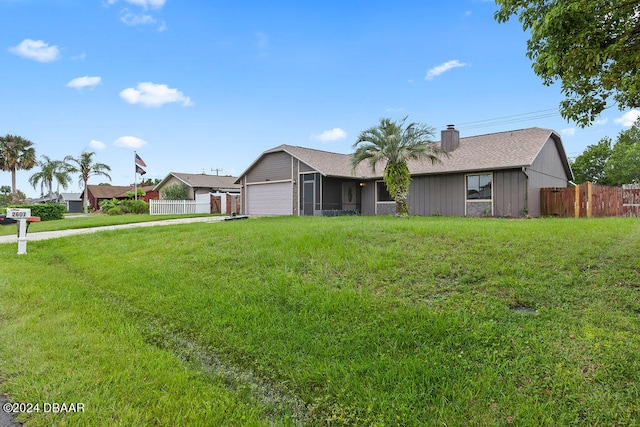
<point x="393" y="143"/>
<point x="51" y="170"/>
<point x="16" y="153"/>
<point x="84" y="166"/>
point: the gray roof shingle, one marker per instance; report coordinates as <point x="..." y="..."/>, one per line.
<point x="503" y="150"/>
<point x="206" y="181"/>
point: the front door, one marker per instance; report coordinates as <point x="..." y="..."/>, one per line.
<point x="349" y="196"/>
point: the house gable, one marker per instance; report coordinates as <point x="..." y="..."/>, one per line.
<point x="549" y="169"/>
<point x="200" y="183"/>
<point x="274" y="166"/>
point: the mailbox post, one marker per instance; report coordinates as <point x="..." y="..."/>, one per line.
<point x="23" y="218"/>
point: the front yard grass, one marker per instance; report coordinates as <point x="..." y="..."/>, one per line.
<point x="329" y="321"/>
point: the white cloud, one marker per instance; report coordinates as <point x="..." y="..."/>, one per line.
<point x="568" y="131"/>
<point x="628" y="118"/>
<point x="36" y="50"/>
<point x="129" y="142"/>
<point x="97" y="145"/>
<point x="154" y="95"/>
<point x="443" y="68"/>
<point x="146" y="4"/>
<point x="601" y="122"/>
<point x="133" y="19"/>
<point x="86" y="81"/>
<point x="330" y="135"/>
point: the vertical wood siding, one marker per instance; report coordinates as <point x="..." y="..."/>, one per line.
<point x="446" y="194"/>
<point x="545" y="171"/>
<point x="509" y="193"/>
<point x="305" y="167"/>
<point x="437" y="195"/>
<point x="295" y="167"/>
<point x="272" y="167"/>
<point x="367" y="194"/>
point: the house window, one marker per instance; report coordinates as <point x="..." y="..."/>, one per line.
<point x="479" y="187"/>
<point x="382" y="194"/>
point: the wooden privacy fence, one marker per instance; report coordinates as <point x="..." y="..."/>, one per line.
<point x="225" y="203"/>
<point x="590" y="201"/>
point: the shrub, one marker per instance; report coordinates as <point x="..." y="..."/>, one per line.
<point x="46" y="211"/>
<point x="107" y="204"/>
<point x="174" y="192"/>
<point x="137" y="206"/>
<point x="116" y="210"/>
<point x="120" y="207"/>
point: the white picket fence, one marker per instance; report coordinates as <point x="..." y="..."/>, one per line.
<point x="178" y="207"/>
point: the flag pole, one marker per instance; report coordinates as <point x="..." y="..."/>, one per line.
<point x="135" y="176"/>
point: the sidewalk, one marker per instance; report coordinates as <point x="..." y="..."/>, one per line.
<point x="13" y="238"/>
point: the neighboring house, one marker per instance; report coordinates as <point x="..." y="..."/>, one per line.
<point x="499" y="174"/>
<point x="200" y="184"/>
<point x="50" y="198"/>
<point x="72" y="201"/>
<point x="98" y="193"/>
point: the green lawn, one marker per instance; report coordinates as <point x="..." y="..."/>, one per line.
<point x="329" y="321"/>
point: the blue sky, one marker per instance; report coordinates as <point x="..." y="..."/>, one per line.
<point x="199" y="85"/>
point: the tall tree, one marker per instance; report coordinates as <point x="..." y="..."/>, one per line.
<point x="394" y="143"/>
<point x="591" y="46"/>
<point x="50" y="171"/>
<point x="16" y="153"/>
<point x="590" y="165"/>
<point x="86" y="168"/>
<point x="623" y="166"/>
<point x="608" y="163"/>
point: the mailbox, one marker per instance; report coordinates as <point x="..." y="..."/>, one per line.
<point x="21" y="218"/>
<point x="5" y="220"/>
<point x="16" y="213"/>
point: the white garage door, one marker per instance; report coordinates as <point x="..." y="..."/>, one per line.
<point x="270" y="199"/>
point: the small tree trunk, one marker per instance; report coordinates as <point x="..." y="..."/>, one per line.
<point x="402" y="208"/>
<point x="14" y="190"/>
<point x="85" y="199"/>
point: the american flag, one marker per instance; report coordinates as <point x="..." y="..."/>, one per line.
<point x="139" y="161"/>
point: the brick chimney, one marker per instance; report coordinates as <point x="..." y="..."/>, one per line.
<point x="449" y="139"/>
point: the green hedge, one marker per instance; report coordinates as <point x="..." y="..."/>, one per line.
<point x="46" y="211"/>
<point x="121" y="207"/>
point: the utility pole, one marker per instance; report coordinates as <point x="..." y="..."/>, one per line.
<point x="216" y="170"/>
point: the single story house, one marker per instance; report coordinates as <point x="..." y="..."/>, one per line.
<point x="72" y="201"/>
<point x="200" y="183"/>
<point x="498" y="174"/>
<point x="98" y="193"/>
